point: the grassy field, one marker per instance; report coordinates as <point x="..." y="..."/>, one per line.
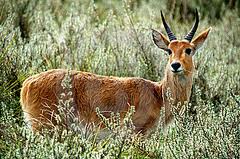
<point x="114" y="38"/>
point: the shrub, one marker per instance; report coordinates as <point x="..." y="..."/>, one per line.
<point x="39" y="35"/>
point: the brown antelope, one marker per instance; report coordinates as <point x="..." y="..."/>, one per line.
<point x="115" y="94"/>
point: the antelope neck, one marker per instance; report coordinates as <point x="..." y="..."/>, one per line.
<point x="179" y="85"/>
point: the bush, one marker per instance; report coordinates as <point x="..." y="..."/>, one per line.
<point x="40" y="35"/>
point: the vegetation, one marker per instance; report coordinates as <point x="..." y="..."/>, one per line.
<point x="114" y="38"/>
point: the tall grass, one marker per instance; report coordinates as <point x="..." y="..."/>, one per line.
<point x="114" y="38"/>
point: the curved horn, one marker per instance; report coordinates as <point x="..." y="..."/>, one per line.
<point x="171" y="36"/>
<point x="190" y="35"/>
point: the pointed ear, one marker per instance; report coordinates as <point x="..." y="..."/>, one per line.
<point x="160" y="40"/>
<point x="199" y="40"/>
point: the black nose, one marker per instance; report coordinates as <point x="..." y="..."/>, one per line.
<point x="176" y="65"/>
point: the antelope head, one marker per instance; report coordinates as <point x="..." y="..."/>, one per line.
<point x="180" y="52"/>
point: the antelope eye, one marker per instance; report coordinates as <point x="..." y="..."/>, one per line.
<point x="188" y="51"/>
<point x="169" y="51"/>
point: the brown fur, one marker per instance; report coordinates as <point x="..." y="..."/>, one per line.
<point x="40" y="93"/>
<point x="110" y="94"/>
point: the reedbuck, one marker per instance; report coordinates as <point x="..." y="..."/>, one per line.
<point x="40" y="93"/>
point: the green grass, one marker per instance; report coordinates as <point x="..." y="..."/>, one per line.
<point x="114" y="38"/>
